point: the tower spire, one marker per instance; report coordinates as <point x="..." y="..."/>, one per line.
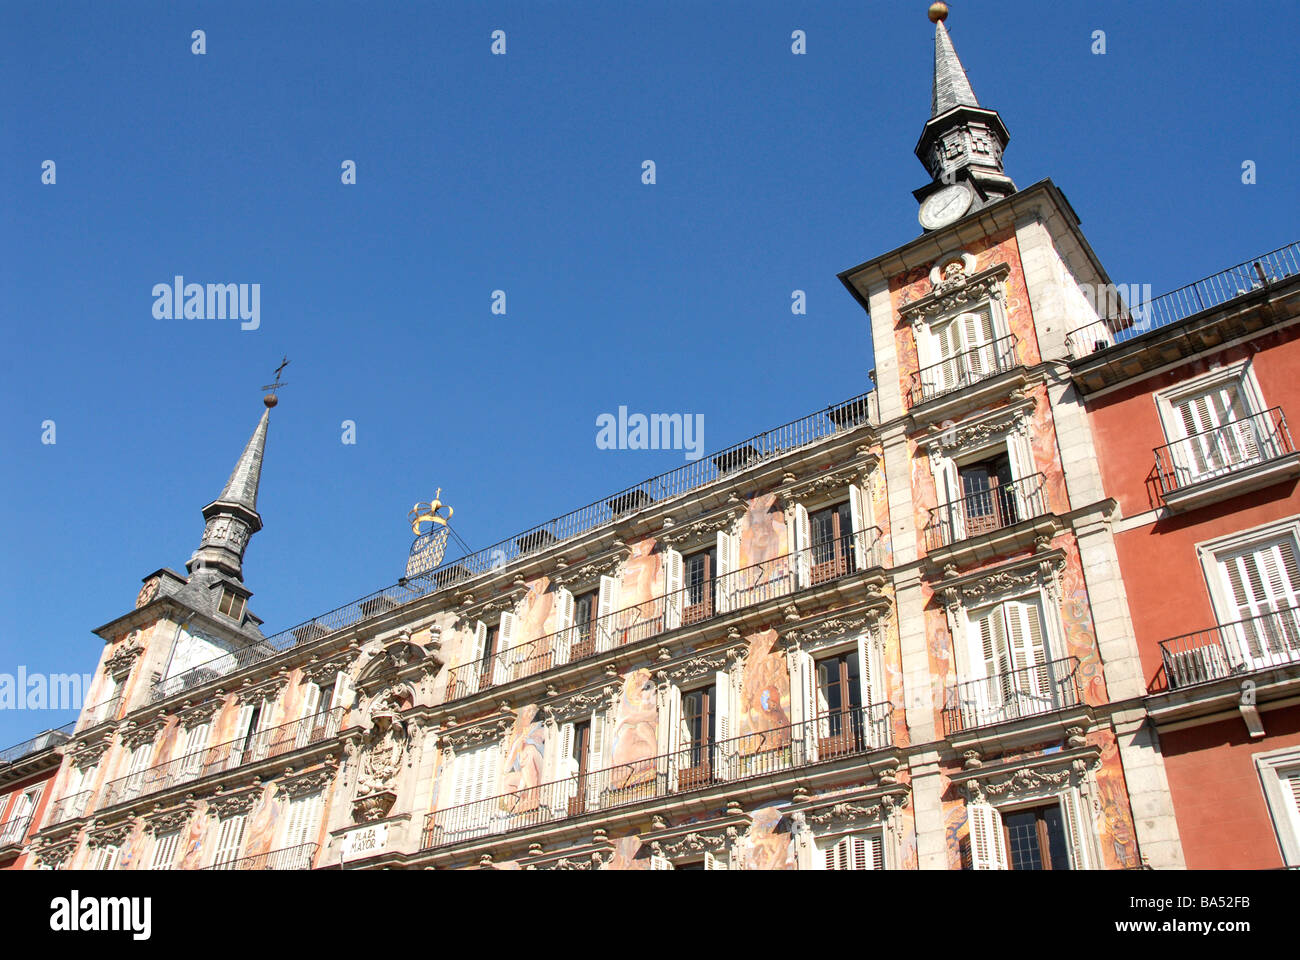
<point x="962" y="142"/>
<point x="232" y="518"/>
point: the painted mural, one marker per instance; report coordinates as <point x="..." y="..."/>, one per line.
<point x="767" y="844"/>
<point x="762" y="713"/>
<point x="522" y="766"/>
<point x="635" y="741"/>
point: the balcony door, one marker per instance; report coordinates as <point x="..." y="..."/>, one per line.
<point x="965" y="353"/>
<point x="1214" y="433"/>
<point x="700" y="571"/>
<point x="1262" y="584"/>
<point x="832" y="542"/>
<point x="1011" y="669"/>
<point x="839" y="719"/>
<point x="987" y="495"/>
<point x="698" y="734"/>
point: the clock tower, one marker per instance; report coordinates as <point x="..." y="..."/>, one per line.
<point x="962" y="143"/>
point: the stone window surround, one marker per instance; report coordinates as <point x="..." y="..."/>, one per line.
<point x="874" y="809"/>
<point x="1209" y="551"/>
<point x="978" y="436"/>
<point x="1286" y="825"/>
<point x="1241" y="372"/>
<point x="1038" y="575"/>
<point x="948" y="300"/>
<point x="689" y="842"/>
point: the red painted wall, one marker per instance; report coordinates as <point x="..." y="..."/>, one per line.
<point x="1218" y="800"/>
<point x="38" y="814"/>
<point x="1167" y="592"/>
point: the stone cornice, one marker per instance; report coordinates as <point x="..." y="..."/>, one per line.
<point x="797" y="633"/>
<point x="112" y="834"/>
<point x="690" y="840"/>
<point x="582" y="856"/>
<point x="795" y="490"/>
<point x="192" y="715"/>
<point x="472" y="734"/>
<point x="253" y="690"/>
<point x="985" y="427"/>
<point x="1043" y="568"/>
<point x="122" y="660"/>
<point x="166" y="819"/>
<point x="1027" y="776"/>
<point x="235" y="802"/>
<point x="696" y="665"/>
<point x="698" y="531"/>
<point x="590" y="571"/>
<point x="88" y="752"/>
<point x="322" y="671"/>
<point x="856" y="808"/>
<point x="580" y="704"/>
<point x="136" y="734"/>
<point x="957" y="294"/>
<point x="301" y="784"/>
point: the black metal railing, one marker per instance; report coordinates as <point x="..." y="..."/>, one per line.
<point x="773" y="443"/>
<point x="255" y="747"/>
<point x="847" y="733"/>
<point x="71" y="807"/>
<point x="690" y="606"/>
<point x="42" y="741"/>
<point x="300" y="857"/>
<point x="1246" y="646"/>
<point x="1224" y="450"/>
<point x="1186" y="301"/>
<point x="102" y="712"/>
<point x="14" y="831"/>
<point x="1013" y="694"/>
<point x="986" y="510"/>
<point x="963" y="370"/>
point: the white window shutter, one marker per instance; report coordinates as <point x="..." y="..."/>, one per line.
<point x="660" y="863"/>
<point x="802" y="542"/>
<point x="229" y="839"/>
<point x="605" y="601"/>
<point x="859" y="515"/>
<point x="108" y="857"/>
<point x="673" y="577"/>
<point x="723" y="587"/>
<point x="311" y="700"/>
<point x="196" y="739"/>
<point x="987" y="845"/>
<point x="304" y="818"/>
<point x="564" y="612"/>
<point x="1028" y="651"/>
<point x="343" y="689"/>
<point x="714" y="863"/>
<point x="1074" y="830"/>
<point x="722" y="709"/>
<point x="566" y="765"/>
<point x="813" y="706"/>
<point x="480" y="641"/>
<point x="164" y="850"/>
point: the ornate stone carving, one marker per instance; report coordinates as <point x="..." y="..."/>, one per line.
<point x="589" y="572"/>
<point x="269" y="689"/>
<point x="725" y="522"/>
<point x="122" y="659"/>
<point x="193" y="714"/>
<point x="110" y="836"/>
<point x="383" y="752"/>
<point x="697" y="666"/>
<point x="166" y="819"/>
<point x="89" y="752"/>
<point x="304" y="784"/>
<point x="136" y="735"/>
<point x="225" y="805"/>
<point x="577" y="705"/>
<point x="56" y="854"/>
<point x="955" y="296"/>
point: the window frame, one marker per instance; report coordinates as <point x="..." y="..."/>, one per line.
<point x="1272" y="767"/>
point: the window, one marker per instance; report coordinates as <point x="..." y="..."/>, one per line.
<point x="840" y="727"/>
<point x="476" y="774"/>
<point x="1047" y="835"/>
<point x="1011" y="672"/>
<point x="584" y="634"/>
<point x="831" y="534"/>
<point x="962" y="351"/>
<point x="252" y="745"/>
<point x="700" y="569"/>
<point x="164" y="850"/>
<point x="579" y="752"/>
<point x="1280" y="775"/>
<point x="861" y="851"/>
<point x="230" y="837"/>
<point x="192" y="750"/>
<point x="304" y="824"/>
<point x="106" y="858"/>
<point x="135" y="774"/>
<point x="987" y="494"/>
<point x="697" y="735"/>
<point x="1260" y="585"/>
<point x="491" y="643"/>
<point x="231" y="604"/>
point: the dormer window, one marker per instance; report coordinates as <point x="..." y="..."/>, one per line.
<point x="231" y="604"/>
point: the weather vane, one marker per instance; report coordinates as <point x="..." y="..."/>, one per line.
<point x="271" y="399"/>
<point x="430" y="545"/>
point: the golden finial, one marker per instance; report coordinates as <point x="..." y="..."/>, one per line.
<point x="423" y="512"/>
<point x="938" y="12"/>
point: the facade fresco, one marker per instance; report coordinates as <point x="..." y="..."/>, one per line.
<point x="764" y="701"/>
<point x="634" y="741"/>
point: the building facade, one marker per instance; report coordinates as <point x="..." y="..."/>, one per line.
<point x="26" y="772"/>
<point x="892" y="634"/>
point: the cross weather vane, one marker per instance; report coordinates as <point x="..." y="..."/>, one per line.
<point x="271" y="399"/>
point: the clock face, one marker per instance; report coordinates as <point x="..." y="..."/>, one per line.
<point x="942" y="208"/>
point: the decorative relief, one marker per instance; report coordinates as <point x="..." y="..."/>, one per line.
<point x="579" y="705"/>
<point x="383" y="752"/>
<point x="304" y="784"/>
<point x="120" y="663"/>
<point x="266" y="690"/>
<point x="849" y="814"/>
<point x="567" y="575"/>
<point x="1045" y="570"/>
<point x="136" y="735"/>
<point x="167" y="819"/>
<point x="323" y="672"/>
<point x="675" y="536"/>
<point x="226" y="805"/>
<point x="698" y="666"/>
<point x="88" y="753"/>
<point x="193" y="714"/>
<point x="1029" y="781"/>
<point x="110" y="836"/>
<point x="55" y="855"/>
<point x="470" y="736"/>
<point x="963" y="291"/>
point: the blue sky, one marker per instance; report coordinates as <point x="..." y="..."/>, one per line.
<point x="521" y="173"/>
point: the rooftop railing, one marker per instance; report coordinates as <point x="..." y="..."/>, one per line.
<point x="1014" y="694"/>
<point x="985" y="511"/>
<point x="1186" y="301"/>
<point x="1246" y="646"/>
<point x="692" y="605"/>
<point x="1224" y="450"/>
<point x="764" y="446"/>
<point x="38" y="743"/>
<point x="300" y="857"/>
<point x="255" y="747"/>
<point x="847" y="733"/>
<point x="964" y="370"/>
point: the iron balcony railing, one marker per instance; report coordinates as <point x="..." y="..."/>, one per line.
<point x="14" y="831"/>
<point x="37" y="744"/>
<point x="1013" y="694"/>
<point x="1224" y="450"/>
<point x="986" y="510"/>
<point x="71" y="807"/>
<point x="262" y="745"/>
<point x="102" y="712"/>
<point x="300" y="857"/>
<point x="966" y="369"/>
<point x="692" y="605"/>
<point x="848" y="733"/>
<point x="1247" y="646"/>
<point x="1186" y="301"/>
<point x="781" y="440"/>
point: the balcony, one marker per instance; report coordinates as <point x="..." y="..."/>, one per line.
<point x="963" y="371"/>
<point x="300" y="857"/>
<point x="103" y="712"/>
<point x="14" y="832"/>
<point x="254" y="748"/>
<point x="849" y="733"/>
<point x="694" y="605"/>
<point x="769" y="446"/>
<point x="1234" y="649"/>
<point x="72" y="807"/>
<point x="983" y="513"/>
<point x="37" y="744"/>
<point x="1014" y="695"/>
<point x="1236" y="458"/>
